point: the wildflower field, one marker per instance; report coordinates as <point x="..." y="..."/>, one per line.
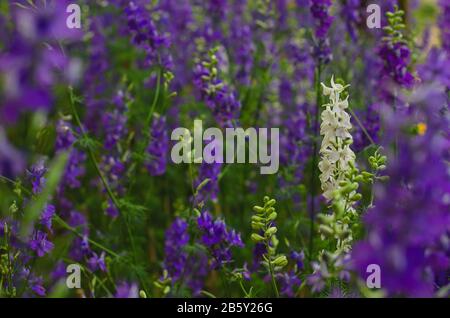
<point x="224" y="148"/>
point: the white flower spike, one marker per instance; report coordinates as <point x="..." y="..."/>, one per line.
<point x="336" y="155"/>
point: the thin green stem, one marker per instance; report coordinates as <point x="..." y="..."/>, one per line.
<point x="272" y="272"/>
<point x="155" y="98"/>
<point x="315" y="158"/>
<point x="362" y="126"/>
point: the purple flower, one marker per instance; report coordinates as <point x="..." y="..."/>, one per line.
<point x="351" y="11"/>
<point x="196" y="271"/>
<point x="218" y="239"/>
<point x="59" y="272"/>
<point x="114" y="122"/>
<point x="295" y="143"/>
<point x="288" y="281"/>
<point x="74" y="168"/>
<point x="80" y="248"/>
<point x="298" y="258"/>
<point x="158" y="147"/>
<point x="396" y="58"/>
<point x="33" y="60"/>
<point x="36" y="175"/>
<point x="146" y="36"/>
<point x="177" y="238"/>
<point x="410" y="215"/>
<point x="96" y="262"/>
<point x="36" y="286"/>
<point x="217" y="95"/>
<point x="76" y="219"/>
<point x="241" y="42"/>
<point x="317" y="280"/>
<point x="47" y="216"/>
<point x="444" y="25"/>
<point x="64" y="135"/>
<point x="127" y="290"/>
<point x="40" y="244"/>
<point x="319" y="10"/>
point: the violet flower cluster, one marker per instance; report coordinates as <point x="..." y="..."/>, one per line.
<point x="323" y="20"/>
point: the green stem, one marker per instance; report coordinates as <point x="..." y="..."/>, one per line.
<point x="155" y="98"/>
<point x="315" y="159"/>
<point x="362" y="126"/>
<point x="272" y="273"/>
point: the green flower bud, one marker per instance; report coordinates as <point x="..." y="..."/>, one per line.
<point x="325" y="229"/>
<point x="258" y="209"/>
<point x="142" y="294"/>
<point x="257" y="238"/>
<point x="366" y="174"/>
<point x="166" y="290"/>
<point x="257" y="218"/>
<point x="197" y="213"/>
<point x="257" y="225"/>
<point x="270" y="231"/>
<point x="272" y="216"/>
<point x="280" y="261"/>
<point x="271" y="203"/>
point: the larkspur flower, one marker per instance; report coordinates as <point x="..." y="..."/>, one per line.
<point x="336" y="155"/>
<point x="47" y="216"/>
<point x="397" y="57"/>
<point x="40" y="244"/>
<point x="175" y="259"/>
<point x="96" y="262"/>
<point x="217" y="95"/>
<point x="241" y="42"/>
<point x="146" y="36"/>
<point x="289" y="282"/>
<point x="158" y="147"/>
<point x="444" y="25"/>
<point x="218" y="239"/>
<point x="295" y="143"/>
<point x="351" y="11"/>
<point x="65" y="140"/>
<point x="409" y="220"/>
<point x="115" y="122"/>
<point x="322" y="19"/>
<point x="37" y="176"/>
<point x="127" y="290"/>
<point x="32" y="61"/>
<point x="298" y="258"/>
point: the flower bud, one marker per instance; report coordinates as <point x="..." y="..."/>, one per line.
<point x="270" y="231"/>
<point x="258" y="209"/>
<point x="257" y="225"/>
<point x="272" y="216"/>
<point x="257" y="238"/>
<point x="280" y="261"/>
<point x="142" y="294"/>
